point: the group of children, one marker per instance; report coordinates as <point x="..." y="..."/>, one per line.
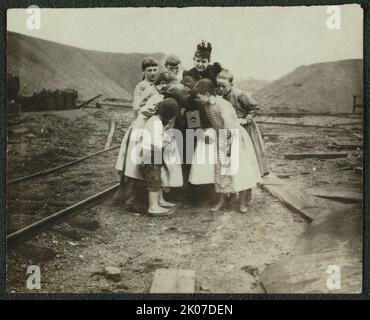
<point x="228" y="152"/>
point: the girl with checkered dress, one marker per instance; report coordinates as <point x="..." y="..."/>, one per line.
<point x="236" y="168"/>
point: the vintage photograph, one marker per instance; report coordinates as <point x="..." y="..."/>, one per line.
<point x="185" y="150"/>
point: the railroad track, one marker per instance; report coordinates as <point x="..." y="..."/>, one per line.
<point x="32" y="230"/>
<point x="49" y="219"/>
<point x="68" y="164"/>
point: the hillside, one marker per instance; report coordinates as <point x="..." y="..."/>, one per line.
<point x="250" y="85"/>
<point x="321" y="87"/>
<point x="45" y="64"/>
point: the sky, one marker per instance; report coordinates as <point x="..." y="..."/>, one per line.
<point x="260" y="42"/>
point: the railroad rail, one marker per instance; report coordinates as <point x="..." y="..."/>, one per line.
<point x="22" y="235"/>
<point x="40" y="173"/>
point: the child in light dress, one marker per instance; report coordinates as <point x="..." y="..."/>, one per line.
<point x="236" y="168"/>
<point x="153" y="147"/>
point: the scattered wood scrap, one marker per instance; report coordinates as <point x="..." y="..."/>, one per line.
<point x="110" y="135"/>
<point x="359" y="170"/>
<point x="294" y="199"/>
<point x="297" y="125"/>
<point x="117" y="105"/>
<point x="173" y="281"/>
<point x="280" y="164"/>
<point x="359" y="136"/>
<point x="348" y="145"/>
<point x="18" y="130"/>
<point x="347" y="124"/>
<point x="84" y="104"/>
<point x="315" y="155"/>
<point x="270" y="135"/>
<point x="13" y="141"/>
<point x="287" y="175"/>
<point x="340" y="193"/>
<point x="335" y="130"/>
<point x="303" y="114"/>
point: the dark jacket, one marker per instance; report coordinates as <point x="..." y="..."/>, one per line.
<point x="210" y="73"/>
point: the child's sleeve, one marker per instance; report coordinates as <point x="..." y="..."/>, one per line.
<point x="151" y="105"/>
<point x="141" y="96"/>
<point x="248" y="103"/>
<point x="138" y="92"/>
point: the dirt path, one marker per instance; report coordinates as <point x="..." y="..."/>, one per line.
<point x="227" y="250"/>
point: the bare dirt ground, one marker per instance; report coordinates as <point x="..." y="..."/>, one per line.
<point x="227" y="250"/>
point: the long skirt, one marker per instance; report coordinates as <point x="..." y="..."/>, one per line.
<point x="237" y="168"/>
<point x="258" y="145"/>
<point x="203" y="163"/>
<point x="129" y="163"/>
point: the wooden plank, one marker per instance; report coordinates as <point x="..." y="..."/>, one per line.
<point x="88" y="101"/>
<point x="294" y="199"/>
<point x="297" y="125"/>
<point x="347" y="123"/>
<point x="286" y="175"/>
<point x="348" y="145"/>
<point x="302" y="114"/>
<point x="359" y="136"/>
<point x="173" y="281"/>
<point x="348" y="194"/>
<point x="271" y="179"/>
<point x="270" y="135"/>
<point x="315" y="155"/>
<point x="117" y="105"/>
<point x="110" y="135"/>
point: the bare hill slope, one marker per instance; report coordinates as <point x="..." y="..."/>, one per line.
<point x="321" y="87"/>
<point x="50" y="65"/>
<point x="250" y="85"/>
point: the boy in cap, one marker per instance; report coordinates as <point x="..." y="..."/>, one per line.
<point x="173" y="64"/>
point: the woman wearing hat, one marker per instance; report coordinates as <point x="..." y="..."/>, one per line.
<point x="202" y="68"/>
<point x="202" y="170"/>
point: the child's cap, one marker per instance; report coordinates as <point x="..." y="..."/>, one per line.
<point x="172" y="60"/>
<point x="168" y="108"/>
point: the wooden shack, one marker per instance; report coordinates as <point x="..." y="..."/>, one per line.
<point x="49" y="100"/>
